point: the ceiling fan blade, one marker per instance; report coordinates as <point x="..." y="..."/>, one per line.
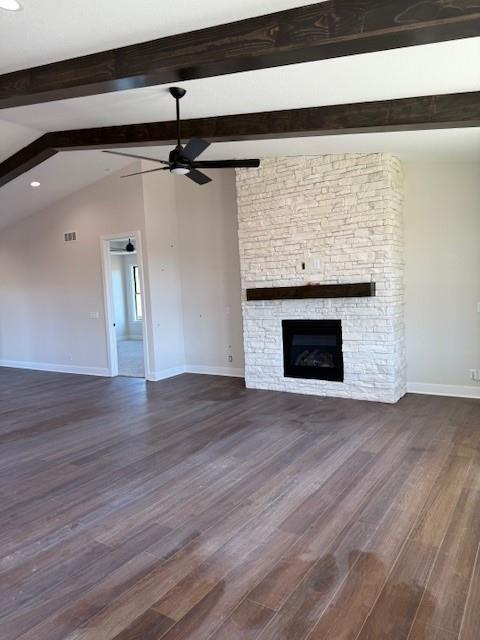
<point x="198" y="177"/>
<point x="225" y="164"/>
<point x="131" y="155"/>
<point x="194" y="148"/>
<point x="139" y="173"/>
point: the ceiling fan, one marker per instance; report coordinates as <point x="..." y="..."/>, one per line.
<point x="129" y="247"/>
<point x="182" y="159"/>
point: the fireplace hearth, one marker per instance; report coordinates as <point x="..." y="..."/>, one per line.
<point x="313" y="349"/>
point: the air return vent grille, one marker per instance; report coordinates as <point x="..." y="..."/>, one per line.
<point x="71" y="236"/>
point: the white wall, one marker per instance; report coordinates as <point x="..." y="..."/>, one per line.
<point x="163" y="272"/>
<point x="194" y="273"/>
<point x="48" y="287"/>
<point x="210" y="273"/>
<point x="442" y="231"/>
<point x="119" y="296"/>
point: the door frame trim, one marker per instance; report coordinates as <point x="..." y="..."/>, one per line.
<point x="111" y="337"/>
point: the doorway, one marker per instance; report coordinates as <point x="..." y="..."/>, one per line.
<point x="125" y="306"/>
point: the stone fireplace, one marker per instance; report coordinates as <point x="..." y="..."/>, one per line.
<point x="333" y="219"/>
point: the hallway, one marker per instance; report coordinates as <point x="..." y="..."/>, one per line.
<point x="131" y="358"/>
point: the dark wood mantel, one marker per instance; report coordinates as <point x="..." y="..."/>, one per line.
<point x="354" y="290"/>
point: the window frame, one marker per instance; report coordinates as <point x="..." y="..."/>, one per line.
<point x="137" y="293"/>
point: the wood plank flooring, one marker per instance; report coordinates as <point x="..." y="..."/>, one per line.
<point x="196" y="509"/>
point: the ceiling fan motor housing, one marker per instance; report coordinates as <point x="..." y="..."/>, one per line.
<point x="178" y="163"/>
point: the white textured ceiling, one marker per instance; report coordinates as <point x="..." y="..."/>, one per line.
<point x="445" y="67"/>
<point x="59" y="176"/>
<point x="15" y="136"/>
<point x="66" y="173"/>
<point x="50" y="30"/>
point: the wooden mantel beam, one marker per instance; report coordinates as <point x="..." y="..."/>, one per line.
<point x="406" y="114"/>
<point x="329" y="29"/>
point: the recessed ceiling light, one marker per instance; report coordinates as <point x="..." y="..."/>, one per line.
<point x="10" y="5"/>
<point x="35" y="184"/>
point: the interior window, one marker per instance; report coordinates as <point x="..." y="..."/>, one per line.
<point x="137" y="293"/>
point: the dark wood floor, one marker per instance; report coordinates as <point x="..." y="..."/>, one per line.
<point x="193" y="508"/>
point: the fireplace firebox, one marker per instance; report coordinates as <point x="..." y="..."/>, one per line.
<point x="313" y="349"/>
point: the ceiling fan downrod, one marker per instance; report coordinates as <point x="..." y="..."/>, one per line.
<point x="178" y="93"/>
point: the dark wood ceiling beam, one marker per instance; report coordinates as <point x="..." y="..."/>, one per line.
<point x="328" y="29"/>
<point x="27" y="158"/>
<point x="406" y="114"/>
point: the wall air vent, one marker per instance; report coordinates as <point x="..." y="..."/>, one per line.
<point x="71" y="236"/>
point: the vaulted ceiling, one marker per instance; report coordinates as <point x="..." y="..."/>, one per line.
<point x="50" y="31"/>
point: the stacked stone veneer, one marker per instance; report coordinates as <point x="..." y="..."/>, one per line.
<point x="342" y="216"/>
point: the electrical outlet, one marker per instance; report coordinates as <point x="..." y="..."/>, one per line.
<point x="301" y="266"/>
<point x="230" y="358"/>
<point x="475" y="374"/>
<point x="311" y="264"/>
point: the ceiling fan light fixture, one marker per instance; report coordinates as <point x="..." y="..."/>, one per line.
<point x="182" y="160"/>
<point x="10" y="5"/>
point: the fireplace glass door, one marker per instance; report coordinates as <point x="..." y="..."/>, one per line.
<point x="313" y="349"/>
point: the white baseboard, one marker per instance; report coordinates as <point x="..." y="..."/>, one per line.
<point x="456" y="391"/>
<point x="230" y="372"/>
<point x="56" y="368"/>
<point x="100" y="371"/>
<point x="194" y="368"/>
<point x="166" y="373"/>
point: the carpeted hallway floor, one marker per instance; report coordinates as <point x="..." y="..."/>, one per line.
<point x="130" y="358"/>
